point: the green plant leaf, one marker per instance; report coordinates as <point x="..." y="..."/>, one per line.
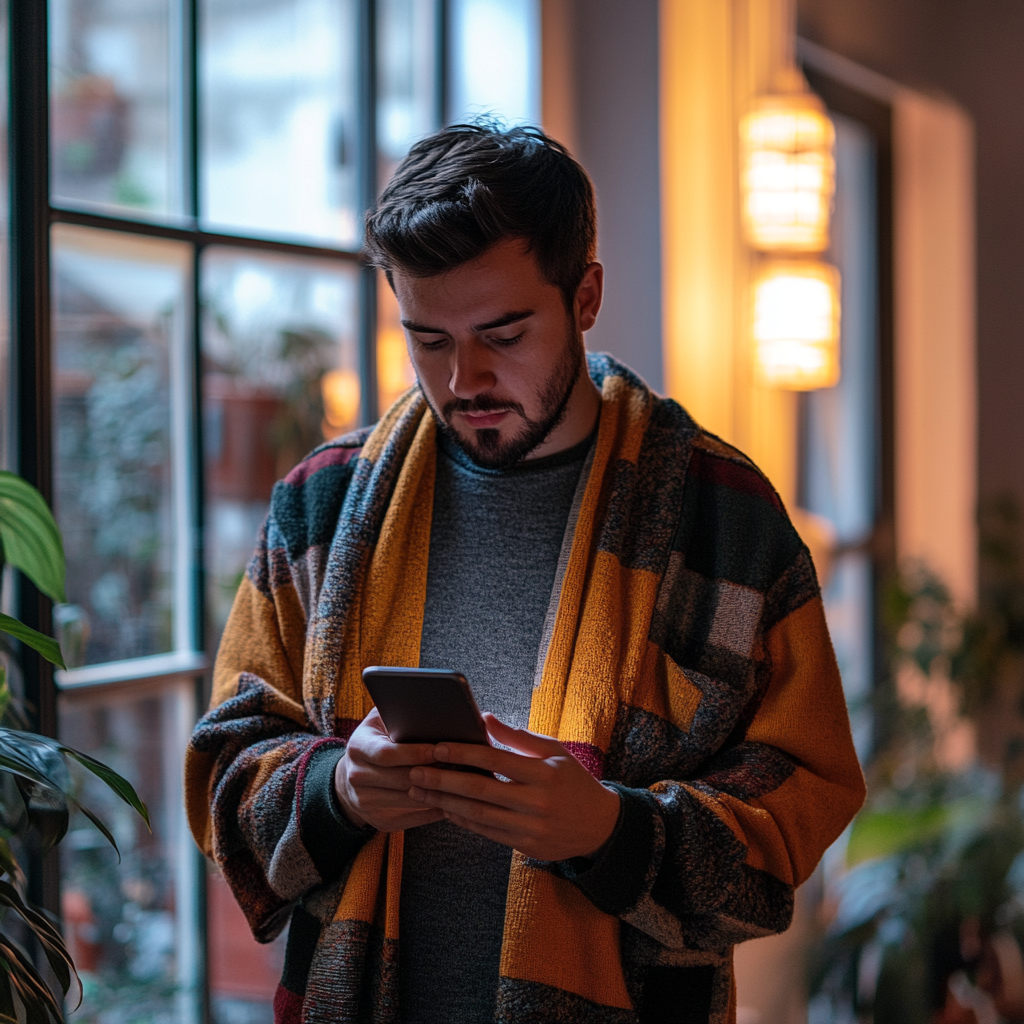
<point x="53" y="947"/>
<point x="45" y="645"/>
<point x="34" y="993"/>
<point x="34" y="757"/>
<point x="52" y="822"/>
<point x="51" y="825"/>
<point x="44" y="929"/>
<point x="883" y="833"/>
<point x="900" y="830"/>
<point x="121" y="786"/>
<point x="16" y="766"/>
<point x="47" y="934"/>
<point x="41" y="1007"/>
<point x="29" y="534"/>
<point x="19" y="755"/>
<point x="103" y="828"/>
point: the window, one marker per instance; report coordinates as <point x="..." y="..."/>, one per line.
<point x="190" y="318"/>
<point x="846" y="462"/>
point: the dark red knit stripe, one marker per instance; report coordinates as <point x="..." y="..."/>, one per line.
<point x="287" y="1006"/>
<point x="734" y="475"/>
<point x="344" y="727"/>
<point x="591" y="757"/>
<point x="328" y="457"/>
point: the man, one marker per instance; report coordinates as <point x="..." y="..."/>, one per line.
<point x="629" y="601"/>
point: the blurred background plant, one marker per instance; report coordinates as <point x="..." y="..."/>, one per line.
<point x="926" y="924"/>
<point x="37" y="787"/>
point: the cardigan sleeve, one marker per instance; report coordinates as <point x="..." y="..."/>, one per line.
<point x="258" y="776"/>
<point x="713" y="858"/>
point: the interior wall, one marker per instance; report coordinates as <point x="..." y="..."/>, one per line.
<point x="613" y="52"/>
<point x="971" y="53"/>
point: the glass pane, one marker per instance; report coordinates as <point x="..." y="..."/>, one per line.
<point x="243" y="973"/>
<point x="495" y="59"/>
<point x="280" y="375"/>
<point x="407" y="77"/>
<point x="840" y="443"/>
<point x="131" y="927"/>
<point x="121" y="428"/>
<point x="115" y="114"/>
<point x="279" y="133"/>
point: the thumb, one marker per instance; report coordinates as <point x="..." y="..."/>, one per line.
<point x="533" y="744"/>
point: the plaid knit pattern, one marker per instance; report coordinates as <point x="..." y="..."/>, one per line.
<point x="688" y="665"/>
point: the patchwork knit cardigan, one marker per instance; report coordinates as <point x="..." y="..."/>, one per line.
<point x="686" y="661"/>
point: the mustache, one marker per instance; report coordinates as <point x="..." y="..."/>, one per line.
<point x="482" y="403"/>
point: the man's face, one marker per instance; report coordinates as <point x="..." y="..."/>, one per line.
<point x="497" y="354"/>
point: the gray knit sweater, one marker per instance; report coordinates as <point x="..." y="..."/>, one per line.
<point x="494" y="549"/>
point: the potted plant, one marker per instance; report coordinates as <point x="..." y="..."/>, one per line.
<point x="927" y="923"/>
<point x="36" y="795"/>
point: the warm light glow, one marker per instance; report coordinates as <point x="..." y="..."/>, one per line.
<point x="788" y="173"/>
<point x="796" y="325"/>
<point x="340" y="392"/>
<point x="394" y="371"/>
<point x="395" y="374"/>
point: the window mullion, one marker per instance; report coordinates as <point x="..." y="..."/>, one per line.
<point x="367" y="134"/>
<point x="30" y="331"/>
<point x="190" y="107"/>
<point x="441" y="18"/>
<point x="30" y="300"/>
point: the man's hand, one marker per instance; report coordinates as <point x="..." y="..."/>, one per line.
<point x="552" y="809"/>
<point x="372" y="779"/>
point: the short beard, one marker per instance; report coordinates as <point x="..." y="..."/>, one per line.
<point x="488" y="449"/>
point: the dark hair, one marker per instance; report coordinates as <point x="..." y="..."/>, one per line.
<point x="468" y="186"/>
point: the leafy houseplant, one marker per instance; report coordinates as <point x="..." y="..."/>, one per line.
<point x="929" y="920"/>
<point x="36" y="794"/>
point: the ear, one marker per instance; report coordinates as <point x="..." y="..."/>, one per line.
<point x="589" y="296"/>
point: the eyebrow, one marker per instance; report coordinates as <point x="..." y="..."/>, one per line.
<point x="502" y="321"/>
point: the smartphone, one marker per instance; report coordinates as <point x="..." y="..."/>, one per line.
<point x="426" y="705"/>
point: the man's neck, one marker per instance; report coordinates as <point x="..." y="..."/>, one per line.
<point x="581" y="412"/>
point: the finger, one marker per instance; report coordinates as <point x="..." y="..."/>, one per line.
<point x="375" y="800"/>
<point x="477" y="811"/>
<point x="371" y="743"/>
<point x="367" y="776"/>
<point x="382" y="752"/>
<point x="532" y="744"/>
<point x="503" y="762"/>
<point x="475" y="787"/>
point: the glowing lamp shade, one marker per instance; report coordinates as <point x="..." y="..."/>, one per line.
<point x="788" y="173"/>
<point x="796" y="325"/>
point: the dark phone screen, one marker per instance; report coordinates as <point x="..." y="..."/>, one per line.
<point x="425" y="705"/>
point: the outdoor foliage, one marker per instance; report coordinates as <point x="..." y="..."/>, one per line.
<point x="36" y="791"/>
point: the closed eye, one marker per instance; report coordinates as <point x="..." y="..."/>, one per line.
<point x="433" y="343"/>
<point x="507" y="342"/>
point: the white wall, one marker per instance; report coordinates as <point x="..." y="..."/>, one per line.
<point x="601" y="99"/>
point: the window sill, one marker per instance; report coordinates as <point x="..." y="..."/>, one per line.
<point x="153" y="667"/>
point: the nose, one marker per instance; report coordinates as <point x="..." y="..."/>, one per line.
<point x="471" y="370"/>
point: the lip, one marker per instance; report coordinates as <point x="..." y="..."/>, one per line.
<point x="482" y="420"/>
